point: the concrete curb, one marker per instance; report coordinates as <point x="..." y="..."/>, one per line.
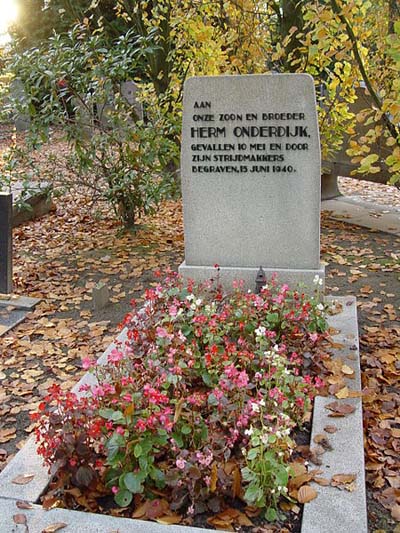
<point x="333" y="511"/>
<point x="353" y="210"/>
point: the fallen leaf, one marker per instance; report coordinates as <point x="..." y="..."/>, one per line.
<point x="169" y="519"/>
<point x="306" y="494"/>
<point x="395" y="512"/>
<point x="24" y="479"/>
<point x="330" y="429"/>
<point x="23" y="505"/>
<point x="236" y="483"/>
<point x="7" y="434"/>
<point x="214" y="478"/>
<point x="54" y="527"/>
<point x="340" y="408"/>
<point x="347" y="370"/>
<point x="342" y="393"/>
<point x="19" y="518"/>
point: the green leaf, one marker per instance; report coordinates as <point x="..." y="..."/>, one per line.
<point x="186" y="330"/>
<point x="253" y="453"/>
<point x="123" y="498"/>
<point x="137" y="450"/>
<point x="273" y="318"/>
<point x="186" y="429"/>
<point x="106" y="413"/>
<point x="113" y="445"/>
<point x="132" y="482"/>
<point x="281" y="476"/>
<point x="252" y="493"/>
<point x="117" y="416"/>
<point x="178" y="439"/>
<point x="271" y="515"/>
<point x="207" y="379"/>
<point x="157" y="474"/>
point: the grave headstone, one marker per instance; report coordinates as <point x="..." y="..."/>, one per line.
<point x="100" y="296"/>
<point x="6" y="211"/>
<point x="17" y="92"/>
<point x="251" y="171"/>
<point x="128" y="91"/>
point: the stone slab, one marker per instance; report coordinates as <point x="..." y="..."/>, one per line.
<point x="334" y="510"/>
<point x="355" y="211"/>
<point x="9" y="318"/>
<point x="251" y="171"/>
<point x="77" y="522"/>
<point x="227" y="275"/>
<point x="18" y="302"/>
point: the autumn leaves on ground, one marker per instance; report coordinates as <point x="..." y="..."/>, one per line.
<point x="61" y="257"/>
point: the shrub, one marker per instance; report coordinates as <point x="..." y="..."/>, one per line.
<point x="200" y="402"/>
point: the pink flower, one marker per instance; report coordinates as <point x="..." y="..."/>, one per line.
<point x="140" y="425"/>
<point x="300" y="402"/>
<point x="180" y="463"/>
<point x="313" y="337"/>
<point x="242" y="380"/>
<point x="161" y="332"/>
<point x="97" y="390"/>
<point x="114" y="489"/>
<point x="120" y="430"/>
<point x="115" y="356"/>
<point x="87" y="363"/>
<point x="173" y="310"/>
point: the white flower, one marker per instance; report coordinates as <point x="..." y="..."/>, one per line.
<point x="249" y="431"/>
<point x="320" y="307"/>
<point x="262" y="402"/>
<point x="198" y="301"/>
<point x="260" y="331"/>
<point x="190" y="297"/>
<point x="265" y="287"/>
<point x="316" y="279"/>
<point x="255" y="407"/>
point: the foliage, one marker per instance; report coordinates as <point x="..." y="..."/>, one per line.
<point x="202" y="399"/>
<point x="340" y="44"/>
<point x="74" y="83"/>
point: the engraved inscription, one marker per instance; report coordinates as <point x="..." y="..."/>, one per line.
<point x="262" y="138"/>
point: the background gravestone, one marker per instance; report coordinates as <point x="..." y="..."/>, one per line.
<point x="128" y="91"/>
<point x="251" y="171"/>
<point x="21" y="120"/>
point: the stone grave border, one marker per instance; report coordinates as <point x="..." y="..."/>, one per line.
<point x="333" y="511"/>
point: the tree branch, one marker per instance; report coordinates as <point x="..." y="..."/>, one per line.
<point x="394" y="132"/>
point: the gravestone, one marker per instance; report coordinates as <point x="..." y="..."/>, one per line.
<point x="251" y="171"/>
<point x="128" y="90"/>
<point x="6" y="211"/>
<point x="18" y="95"/>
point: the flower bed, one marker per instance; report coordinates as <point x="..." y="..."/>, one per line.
<point x="196" y="411"/>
